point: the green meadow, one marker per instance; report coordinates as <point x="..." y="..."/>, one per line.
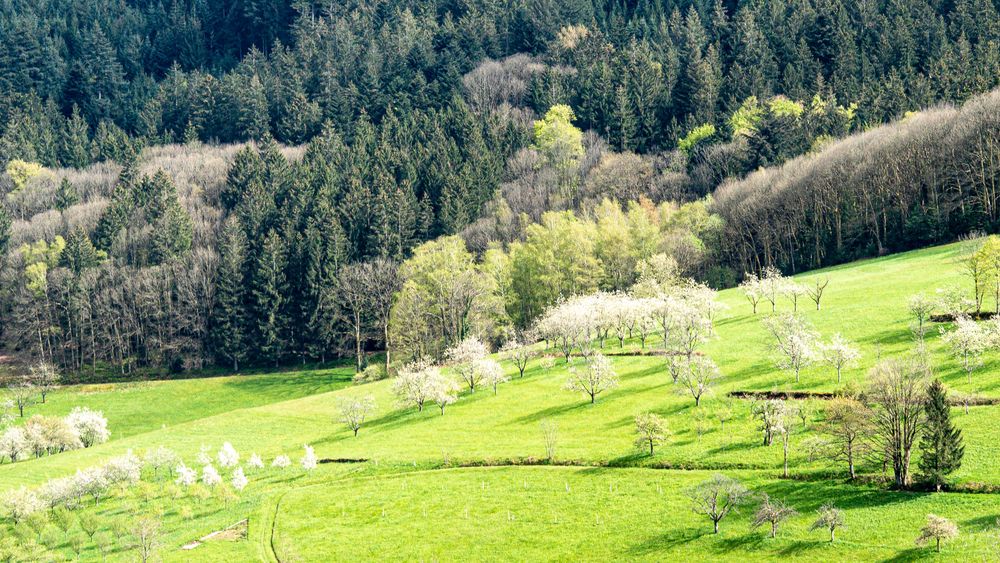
<point x="471" y="484"/>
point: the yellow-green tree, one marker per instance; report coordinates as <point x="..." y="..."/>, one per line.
<point x="559" y="141"/>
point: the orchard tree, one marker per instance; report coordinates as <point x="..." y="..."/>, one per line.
<point x="354" y="411"/>
<point x="920" y="307"/>
<point x="897" y="390"/>
<point x="415" y="382"/>
<point x="772" y="284"/>
<point x="829" y="517"/>
<point x="968" y="342"/>
<point x="752" y="289"/>
<point x="816" y="291"/>
<point x="465" y="357"/>
<point x="597" y="377"/>
<point x="45" y="378"/>
<point x="838" y="353"/>
<point x="443" y="391"/>
<point x="699" y="375"/>
<point x="794" y="340"/>
<point x="717" y="497"/>
<point x="650" y="430"/>
<point x="773" y="512"/>
<point x="793" y="291"/>
<point x="491" y="373"/>
<point x="941" y="448"/>
<point x="22" y="393"/>
<point x="770" y="413"/>
<point x="517" y="352"/>
<point x="847" y="424"/>
<point x="937" y="530"/>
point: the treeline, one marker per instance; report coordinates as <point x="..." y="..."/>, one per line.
<point x="932" y="177"/>
<point x="641" y="74"/>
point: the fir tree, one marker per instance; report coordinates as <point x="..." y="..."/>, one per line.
<point x="66" y="195"/>
<point x="268" y="290"/>
<point x="228" y="322"/>
<point x="941" y="444"/>
<point x="79" y="253"/>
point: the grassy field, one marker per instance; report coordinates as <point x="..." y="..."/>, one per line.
<point x="417" y="497"/>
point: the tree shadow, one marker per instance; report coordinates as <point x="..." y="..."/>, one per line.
<point x="664" y="542"/>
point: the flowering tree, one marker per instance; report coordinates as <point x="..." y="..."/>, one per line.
<point x="771" y="285"/>
<point x="794" y="340"/>
<point x="160" y="457"/>
<point x="12" y="443"/>
<point x="650" y="430"/>
<point x="838" y="353"/>
<point x="517" y="352"/>
<point x="281" y="462"/>
<point x="770" y="414"/>
<point x="920" y="306"/>
<point x="18" y="504"/>
<point x="968" y="342"/>
<point x="45" y="377"/>
<point x="186" y="476"/>
<point x="464" y="358"/>
<point x="90" y="425"/>
<point x="228" y="456"/>
<point x="698" y="375"/>
<point x="443" y="392"/>
<point x="239" y="479"/>
<point x="354" y="411"/>
<point x="938" y="530"/>
<point x="793" y="291"/>
<point x="752" y="290"/>
<point x="491" y="373"/>
<point x="210" y="476"/>
<point x="309" y="460"/>
<point x="414" y="382"/>
<point x="255" y="462"/>
<point x="598" y="376"/>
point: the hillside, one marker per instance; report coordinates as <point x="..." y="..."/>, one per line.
<point x="415" y="498"/>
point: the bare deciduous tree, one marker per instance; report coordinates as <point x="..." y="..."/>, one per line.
<point x="717" y="497"/>
<point x="773" y="512"/>
<point x="897" y="390"/>
<point x="354" y="411"/>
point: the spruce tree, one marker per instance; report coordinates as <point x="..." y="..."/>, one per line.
<point x="228" y="322"/>
<point x="66" y="195"/>
<point x="79" y="253"/>
<point x="268" y="290"/>
<point x="941" y="444"/>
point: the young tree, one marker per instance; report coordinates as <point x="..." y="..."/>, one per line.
<point x="941" y="446"/>
<point x="22" y="393"/>
<point x="816" y="291"/>
<point x="828" y="517"/>
<point x="353" y="284"/>
<point x="897" y="390"/>
<point x="651" y="430"/>
<point x="771" y="285"/>
<point x="354" y="411"/>
<point x="518" y="352"/>
<point x="717" y="497"/>
<point x="465" y="357"/>
<point x="773" y="512"/>
<point x="45" y="377"/>
<point x="968" y="342"/>
<point x="752" y="289"/>
<point x="491" y="373"/>
<point x="770" y="414"/>
<point x="228" y="322"/>
<point x="550" y="436"/>
<point x="698" y="376"/>
<point x="148" y="535"/>
<point x="793" y="291"/>
<point x="794" y="340"/>
<point x="847" y="423"/>
<point x="920" y="306"/>
<point x="838" y="353"/>
<point x="443" y="391"/>
<point x="938" y="530"/>
<point x="598" y="376"/>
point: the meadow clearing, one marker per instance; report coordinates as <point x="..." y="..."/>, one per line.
<point x="474" y="482"/>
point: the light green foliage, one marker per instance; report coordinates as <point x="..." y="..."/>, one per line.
<point x="745" y="119"/>
<point x="21" y="172"/>
<point x="781" y="106"/>
<point x="695" y="136"/>
<point x="558" y="139"/>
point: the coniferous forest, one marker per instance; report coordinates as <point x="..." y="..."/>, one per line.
<point x="243" y="182"/>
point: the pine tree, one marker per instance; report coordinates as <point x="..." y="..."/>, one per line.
<point x="941" y="444"/>
<point x="6" y="222"/>
<point x="75" y="141"/>
<point x="228" y="322"/>
<point x="173" y="231"/>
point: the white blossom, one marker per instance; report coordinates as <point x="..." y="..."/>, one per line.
<point x="186" y="476"/>
<point x="228" y="456"/>
<point x="13" y="443"/>
<point x="281" y="461"/>
<point x="239" y="479"/>
<point x="309" y="459"/>
<point x="255" y="462"/>
<point x="91" y="426"/>
<point x="210" y="476"/>
<point x="18" y="504"/>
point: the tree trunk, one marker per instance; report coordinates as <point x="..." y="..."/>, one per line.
<point x="716" y="523"/>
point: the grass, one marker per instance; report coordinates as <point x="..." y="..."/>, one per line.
<point x="414" y="500"/>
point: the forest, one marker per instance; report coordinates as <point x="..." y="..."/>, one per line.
<point x="576" y="140"/>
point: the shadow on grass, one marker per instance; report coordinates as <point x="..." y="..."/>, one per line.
<point x="665" y="541"/>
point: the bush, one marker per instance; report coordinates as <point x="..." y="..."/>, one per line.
<point x="374" y="372"/>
